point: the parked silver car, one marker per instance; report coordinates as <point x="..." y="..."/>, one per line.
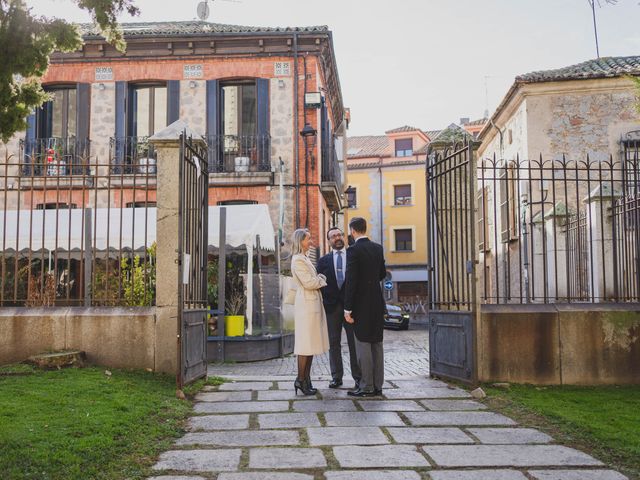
<point x="396" y="317"/>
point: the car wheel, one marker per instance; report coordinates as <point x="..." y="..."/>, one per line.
<point x="404" y="326"/>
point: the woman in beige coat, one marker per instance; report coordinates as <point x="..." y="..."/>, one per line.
<point x="311" y="335"/>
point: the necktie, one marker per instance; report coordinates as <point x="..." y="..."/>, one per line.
<point x="339" y="270"/>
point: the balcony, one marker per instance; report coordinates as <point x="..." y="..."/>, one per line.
<point x="132" y="156"/>
<point x="54" y="156"/>
<point x="244" y="159"/>
<point x="331" y="179"/>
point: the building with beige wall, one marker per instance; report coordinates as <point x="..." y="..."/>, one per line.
<point x="386" y="186"/>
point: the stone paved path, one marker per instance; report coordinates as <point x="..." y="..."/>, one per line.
<point x="419" y="429"/>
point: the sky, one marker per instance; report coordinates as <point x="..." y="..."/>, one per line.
<point x="424" y="63"/>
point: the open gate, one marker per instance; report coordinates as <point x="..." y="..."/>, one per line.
<point x="192" y="254"/>
<point x="451" y="192"/>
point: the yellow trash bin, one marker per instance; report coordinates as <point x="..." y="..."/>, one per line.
<point x="234" y="325"/>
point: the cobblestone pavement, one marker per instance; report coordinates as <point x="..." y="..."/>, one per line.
<point x="418" y="429"/>
<point x="406" y="354"/>
<point x="255" y="428"/>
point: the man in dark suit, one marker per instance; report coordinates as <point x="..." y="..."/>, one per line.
<point x="364" y="307"/>
<point x="333" y="266"/>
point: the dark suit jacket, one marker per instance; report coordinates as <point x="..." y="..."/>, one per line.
<point x="332" y="296"/>
<point x="363" y="295"/>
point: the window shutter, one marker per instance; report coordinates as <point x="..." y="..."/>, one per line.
<point x="213" y="125"/>
<point x="29" y="143"/>
<point x="83" y="113"/>
<point x="121" y="124"/>
<point x="263" y="144"/>
<point x="173" y="101"/>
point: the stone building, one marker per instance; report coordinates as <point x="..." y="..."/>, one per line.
<point x="249" y="90"/>
<point x="547" y="159"/>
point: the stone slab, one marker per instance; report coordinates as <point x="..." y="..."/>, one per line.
<point x="219" y="422"/>
<point x="236" y="386"/>
<point x="279" y="458"/>
<point x="424" y="393"/>
<point x="223" y="397"/>
<point x="283" y="395"/>
<point x="241" y="438"/>
<point x="510" y="436"/>
<point x="359" y="419"/>
<point x="457" y="418"/>
<point x="199" y="460"/>
<point x="335" y="394"/>
<point x="452" y="405"/>
<point x="426" y="435"/>
<point x="508" y="456"/>
<point x="346" y="436"/>
<point x="319" y="384"/>
<point x="325" y="406"/>
<point x="379" y="457"/>
<point x="477" y="475"/>
<point x="419" y="383"/>
<point x="576" y="475"/>
<point x="372" y="475"/>
<point x="390" y="406"/>
<point x="264" y="476"/>
<point x="240" y="407"/>
<point x="288" y="420"/>
<point x="176" y="477"/>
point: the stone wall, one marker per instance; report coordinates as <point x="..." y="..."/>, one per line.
<point x="559" y="344"/>
<point x="112" y="337"/>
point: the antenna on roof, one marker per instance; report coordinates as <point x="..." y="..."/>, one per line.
<point x="203" y="9"/>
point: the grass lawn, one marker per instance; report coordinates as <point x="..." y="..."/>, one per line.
<point x="605" y="421"/>
<point x="83" y="424"/>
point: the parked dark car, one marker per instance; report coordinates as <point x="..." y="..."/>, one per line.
<point x="396" y="317"/>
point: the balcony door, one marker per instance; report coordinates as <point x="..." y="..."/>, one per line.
<point x="57" y="117"/>
<point x="148" y="110"/>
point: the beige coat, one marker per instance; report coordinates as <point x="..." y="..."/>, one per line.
<point x="311" y="335"/>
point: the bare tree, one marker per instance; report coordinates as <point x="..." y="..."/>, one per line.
<point x="599" y="3"/>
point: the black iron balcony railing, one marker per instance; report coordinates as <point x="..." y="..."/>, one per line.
<point x="239" y="153"/>
<point x="132" y="155"/>
<point x="331" y="171"/>
<point x="55" y="156"/>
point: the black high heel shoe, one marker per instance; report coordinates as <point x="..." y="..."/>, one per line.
<point x="310" y="387"/>
<point x="304" y="387"/>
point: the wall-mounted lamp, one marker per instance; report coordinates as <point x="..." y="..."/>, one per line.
<point x="192" y="84"/>
<point x="101" y="86"/>
<point x="308" y="134"/>
<point x="280" y="83"/>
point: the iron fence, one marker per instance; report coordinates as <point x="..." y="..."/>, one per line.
<point x="132" y="155"/>
<point x="85" y="239"/>
<point x="331" y="171"/>
<point x="239" y="153"/>
<point x="54" y="156"/>
<point x="558" y="230"/>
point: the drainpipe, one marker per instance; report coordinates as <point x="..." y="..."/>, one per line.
<point x="380" y="195"/>
<point x="296" y="127"/>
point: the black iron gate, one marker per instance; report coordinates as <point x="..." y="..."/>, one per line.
<point x="192" y="252"/>
<point x="451" y="192"/>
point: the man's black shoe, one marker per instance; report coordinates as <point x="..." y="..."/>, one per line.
<point x="335" y="383"/>
<point x="359" y="393"/>
<point x="377" y="392"/>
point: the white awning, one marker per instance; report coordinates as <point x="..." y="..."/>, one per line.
<point x="122" y="228"/>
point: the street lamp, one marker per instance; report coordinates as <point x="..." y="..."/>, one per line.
<point x="308" y="134"/>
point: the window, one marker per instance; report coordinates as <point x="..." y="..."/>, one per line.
<point x="403" y="240"/>
<point x="404" y="147"/>
<point x="483" y="224"/>
<point x="508" y="204"/>
<point x="237" y="202"/>
<point x="352" y="198"/>
<point x="402" y="195"/>
<point x="148" y="110"/>
<point x="58" y="115"/>
<point x="239" y="117"/>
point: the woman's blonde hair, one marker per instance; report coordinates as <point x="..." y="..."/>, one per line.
<point x="298" y="236"/>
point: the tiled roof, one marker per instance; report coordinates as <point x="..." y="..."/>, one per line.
<point x="368" y="146"/>
<point x="598" y="68"/>
<point x="191" y="28"/>
<point x="480" y="121"/>
<point x="432" y="133"/>
<point x="405" y="128"/>
<point x="397" y="163"/>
